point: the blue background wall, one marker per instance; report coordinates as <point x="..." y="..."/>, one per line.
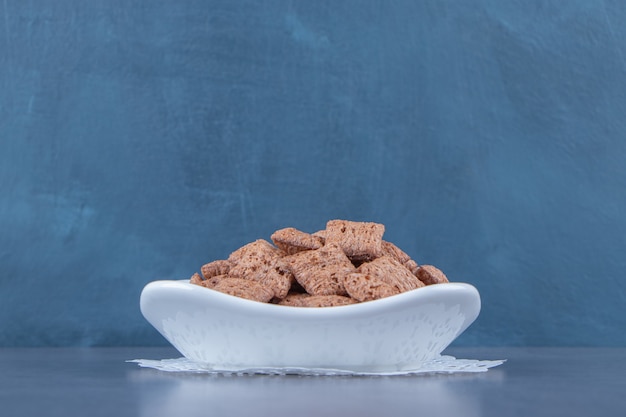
<point x="141" y="139"/>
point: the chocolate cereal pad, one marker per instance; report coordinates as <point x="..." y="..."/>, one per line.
<point x="346" y="263"/>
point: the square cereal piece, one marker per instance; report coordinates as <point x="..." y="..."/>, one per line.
<point x="292" y="299"/>
<point x="365" y="287"/>
<point x="360" y="241"/>
<point x="261" y="262"/>
<point x="321" y="271"/>
<point x="389" y="249"/>
<point x="293" y="240"/>
<point x="430" y="275"/>
<point x="306" y="300"/>
<point x="260" y="246"/>
<point x="245" y="289"/>
<point x="412" y="266"/>
<point x="321" y="235"/>
<point x="388" y="270"/>
<point x="211" y="282"/>
<point x="196" y="279"/>
<point x="215" y="268"/>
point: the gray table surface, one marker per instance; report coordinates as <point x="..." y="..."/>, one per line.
<point x="98" y="382"/>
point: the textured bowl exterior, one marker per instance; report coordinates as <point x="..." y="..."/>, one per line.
<point x="393" y="333"/>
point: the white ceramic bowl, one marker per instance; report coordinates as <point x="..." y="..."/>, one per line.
<point x="391" y="334"/>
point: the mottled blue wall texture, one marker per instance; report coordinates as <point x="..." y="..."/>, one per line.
<point x="141" y="139"/>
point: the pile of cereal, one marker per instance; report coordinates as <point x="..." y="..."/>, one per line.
<point x="346" y="263"/>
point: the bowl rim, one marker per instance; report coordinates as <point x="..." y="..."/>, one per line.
<point x="199" y="295"/>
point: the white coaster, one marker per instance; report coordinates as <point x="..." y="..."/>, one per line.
<point x="443" y="364"/>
